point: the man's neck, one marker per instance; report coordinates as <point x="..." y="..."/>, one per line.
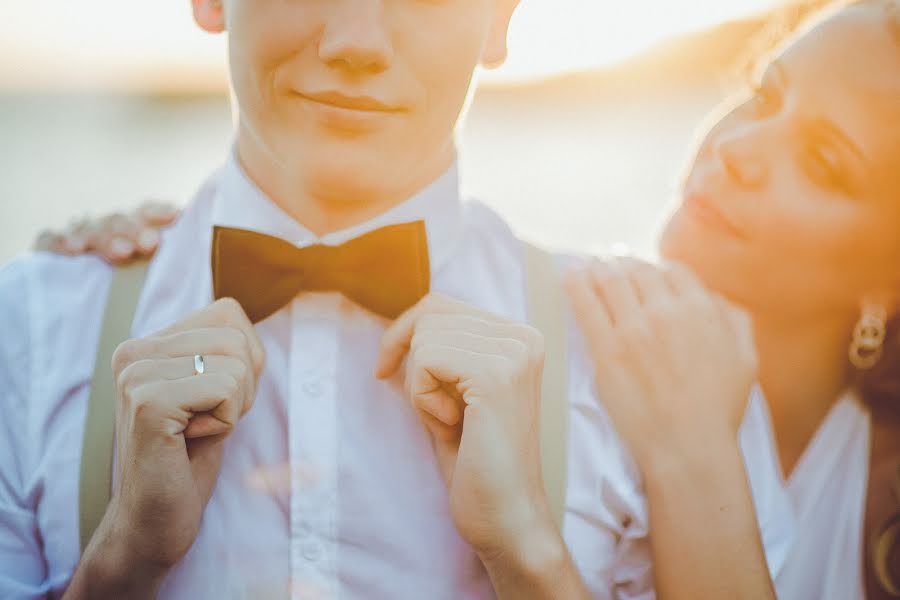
<point x="803" y="371"/>
<point x="322" y="212"/>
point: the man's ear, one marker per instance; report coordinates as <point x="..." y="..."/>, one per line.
<point x="209" y="15"/>
<point x="494" y="53"/>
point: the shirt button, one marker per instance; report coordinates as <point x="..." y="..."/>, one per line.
<point x="312" y="388"/>
<point x="311" y="551"/>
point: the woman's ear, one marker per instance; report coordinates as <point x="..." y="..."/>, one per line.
<point x="494" y="53"/>
<point x="209" y="15"/>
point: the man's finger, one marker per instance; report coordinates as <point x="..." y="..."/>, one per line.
<point x="398" y="336"/>
<point x="182" y="367"/>
<point x="483" y="342"/>
<point x="175" y="402"/>
<point x="226" y="312"/>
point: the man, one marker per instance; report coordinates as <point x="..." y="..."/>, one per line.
<point x="257" y="461"/>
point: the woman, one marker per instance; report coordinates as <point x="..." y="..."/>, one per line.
<point x="792" y="211"/>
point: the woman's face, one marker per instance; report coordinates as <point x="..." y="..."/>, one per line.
<point x="793" y="201"/>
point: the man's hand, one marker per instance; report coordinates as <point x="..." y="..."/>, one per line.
<point x="475" y="381"/>
<point x="170" y="426"/>
<point x="118" y="238"/>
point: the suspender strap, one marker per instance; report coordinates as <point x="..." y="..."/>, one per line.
<point x="547" y="314"/>
<point x="95" y="484"/>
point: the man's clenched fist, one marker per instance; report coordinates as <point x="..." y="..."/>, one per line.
<point x="475" y="380"/>
<point x="170" y="425"/>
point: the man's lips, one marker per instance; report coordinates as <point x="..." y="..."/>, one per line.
<point x="347" y="102"/>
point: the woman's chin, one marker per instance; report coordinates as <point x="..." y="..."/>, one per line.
<point x="685" y="243"/>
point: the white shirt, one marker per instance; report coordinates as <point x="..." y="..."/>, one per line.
<point x="362" y="510"/>
<point x="828" y="496"/>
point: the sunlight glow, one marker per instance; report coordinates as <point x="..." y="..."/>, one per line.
<point x="102" y="44"/>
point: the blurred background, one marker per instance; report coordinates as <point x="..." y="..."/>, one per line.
<point x="579" y="140"/>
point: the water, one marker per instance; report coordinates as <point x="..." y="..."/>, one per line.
<point x="581" y="163"/>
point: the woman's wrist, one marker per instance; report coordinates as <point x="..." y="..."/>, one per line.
<point x="699" y="456"/>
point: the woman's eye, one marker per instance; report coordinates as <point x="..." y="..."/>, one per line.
<point x="823" y="166"/>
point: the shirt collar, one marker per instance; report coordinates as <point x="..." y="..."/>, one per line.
<point x="241" y="204"/>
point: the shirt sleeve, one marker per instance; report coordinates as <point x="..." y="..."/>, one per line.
<point x="606" y="525"/>
<point x="23" y="573"/>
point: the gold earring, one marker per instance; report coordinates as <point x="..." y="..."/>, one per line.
<point x="868" y="337"/>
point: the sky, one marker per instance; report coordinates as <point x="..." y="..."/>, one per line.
<point x="111" y="44"/>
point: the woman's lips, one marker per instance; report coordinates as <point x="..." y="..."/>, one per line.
<point x="702" y="209"/>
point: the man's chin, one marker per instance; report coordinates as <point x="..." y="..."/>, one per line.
<point x="347" y="182"/>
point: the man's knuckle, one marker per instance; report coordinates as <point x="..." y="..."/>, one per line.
<point x="229" y="311"/>
<point x="233" y="342"/>
<point x="141" y="400"/>
<point x="126" y="353"/>
<point x="231" y="386"/>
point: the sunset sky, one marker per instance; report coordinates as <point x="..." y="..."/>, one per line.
<point x="110" y="44"/>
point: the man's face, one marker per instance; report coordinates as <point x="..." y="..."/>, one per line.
<point x="355" y="98"/>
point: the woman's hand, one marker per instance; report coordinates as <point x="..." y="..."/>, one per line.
<point x="674" y="364"/>
<point x="674" y="367"/>
<point x="118" y="238"/>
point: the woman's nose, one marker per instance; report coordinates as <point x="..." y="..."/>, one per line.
<point x="741" y="154"/>
<point x="356" y="38"/>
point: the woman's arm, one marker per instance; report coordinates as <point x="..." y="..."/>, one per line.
<point x="674" y="368"/>
<point x="704" y="538"/>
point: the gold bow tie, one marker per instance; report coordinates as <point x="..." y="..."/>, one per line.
<point x="386" y="271"/>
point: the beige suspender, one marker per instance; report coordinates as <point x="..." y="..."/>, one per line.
<point x="95" y="485"/>
<point x="546" y="312"/>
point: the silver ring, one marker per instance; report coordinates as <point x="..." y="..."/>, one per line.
<point x="199" y="365"/>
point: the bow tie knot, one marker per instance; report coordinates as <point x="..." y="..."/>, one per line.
<point x="385" y="271"/>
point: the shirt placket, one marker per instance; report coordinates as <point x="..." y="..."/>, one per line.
<point x="313" y="451"/>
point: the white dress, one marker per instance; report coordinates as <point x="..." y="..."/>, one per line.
<point x="828" y="496"/>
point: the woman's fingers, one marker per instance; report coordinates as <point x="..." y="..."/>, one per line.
<point x="591" y="313"/>
<point x="647" y="279"/>
<point x="48" y="241"/>
<point x="119" y="238"/>
<point x="615" y="289"/>
<point x="157" y="214"/>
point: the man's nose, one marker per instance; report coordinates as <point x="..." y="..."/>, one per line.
<point x="741" y="153"/>
<point x="356" y="38"/>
